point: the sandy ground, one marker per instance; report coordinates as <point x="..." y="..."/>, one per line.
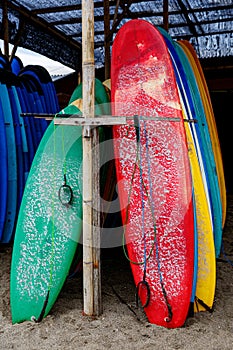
<point x="122" y="325"/>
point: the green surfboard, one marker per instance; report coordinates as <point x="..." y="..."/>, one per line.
<point x="50" y="218"/>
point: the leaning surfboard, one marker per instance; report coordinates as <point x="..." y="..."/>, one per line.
<point x="153" y="173"/>
<point x="3" y="171"/>
<point x="50" y="221"/>
<point x="205" y="95"/>
<point x="207" y="149"/>
<point x="11" y="166"/>
<point x="206" y="272"/>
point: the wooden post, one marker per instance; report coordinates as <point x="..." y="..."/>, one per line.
<point x="91" y="213"/>
<point x="5" y="28"/>
<point x="17" y="40"/>
<point x="107" y="39"/>
<point x="165" y="15"/>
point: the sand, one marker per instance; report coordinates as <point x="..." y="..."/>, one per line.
<point x="121" y="325"/>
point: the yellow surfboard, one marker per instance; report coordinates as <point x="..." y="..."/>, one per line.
<point x="204" y="92"/>
<point x="206" y="274"/>
<point x="206" y="266"/>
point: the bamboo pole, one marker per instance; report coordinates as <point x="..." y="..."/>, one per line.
<point x="91" y="217"/>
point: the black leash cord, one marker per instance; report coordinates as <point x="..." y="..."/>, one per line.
<point x="201" y="302"/>
<point x="40" y="318"/>
<point x="144" y="283"/>
<point x="65" y="188"/>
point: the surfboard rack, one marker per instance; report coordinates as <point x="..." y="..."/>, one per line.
<point x="78" y="119"/>
<point x="104" y="120"/>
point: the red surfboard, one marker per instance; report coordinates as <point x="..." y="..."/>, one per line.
<point x="153" y="173"/>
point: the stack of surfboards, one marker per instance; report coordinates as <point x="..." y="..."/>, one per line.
<point x="22" y="90"/>
<point x="161" y="82"/>
<point x="170" y="183"/>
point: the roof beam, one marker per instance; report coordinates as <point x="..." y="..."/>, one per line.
<point x="70" y="8"/>
<point x="145" y="14"/>
<point x="191" y="25"/>
<point x="196" y="19"/>
<point x="177" y="37"/>
<point x="117" y="20"/>
<point x="74" y="20"/>
<point x="44" y="10"/>
<point x="178" y="25"/>
<point x="67" y="8"/>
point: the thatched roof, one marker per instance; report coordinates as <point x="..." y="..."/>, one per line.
<point x="54" y="29"/>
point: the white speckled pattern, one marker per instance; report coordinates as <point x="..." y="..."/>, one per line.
<point x="47" y="232"/>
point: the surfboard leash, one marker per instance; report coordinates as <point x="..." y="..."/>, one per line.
<point x="126" y="221"/>
<point x="143" y="282"/>
<point x="169" y="308"/>
<point x="142" y="185"/>
<point x="127" y="211"/>
<point x="41" y="316"/>
<point x="65" y="189"/>
<point x="146" y="258"/>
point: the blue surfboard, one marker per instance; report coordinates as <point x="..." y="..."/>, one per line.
<point x="10" y="80"/>
<point x="25" y="151"/>
<point x="12" y="166"/>
<point x="16" y="65"/>
<point x="19" y="149"/>
<point x="3" y="171"/>
<point x="27" y="104"/>
<point x="44" y="79"/>
<point x="34" y="106"/>
<point x="4" y="63"/>
<point x="27" y="126"/>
